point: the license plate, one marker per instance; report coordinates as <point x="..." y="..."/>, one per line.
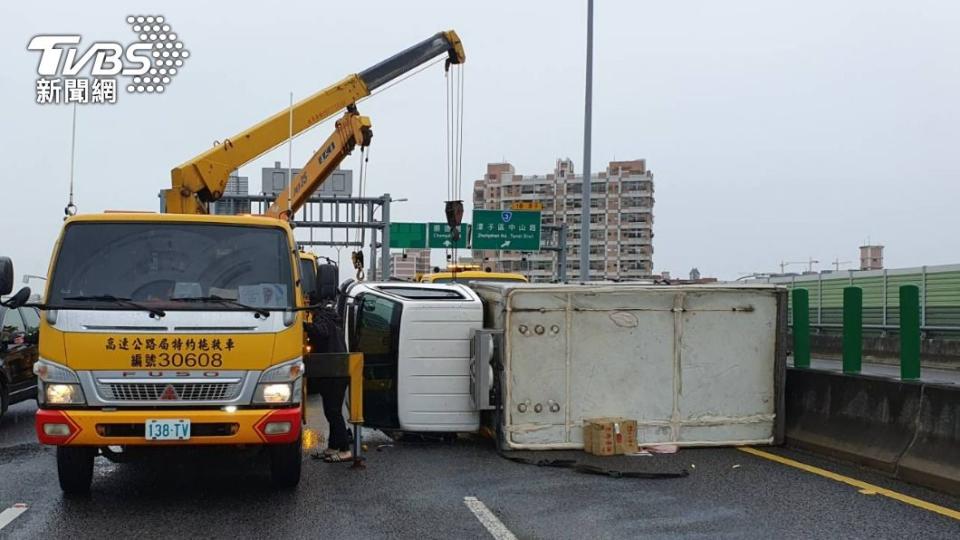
<point x="167" y="430"/>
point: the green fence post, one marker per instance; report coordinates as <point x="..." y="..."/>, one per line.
<point x="801" y="328"/>
<point x="852" y="329"/>
<point x="909" y="332"/>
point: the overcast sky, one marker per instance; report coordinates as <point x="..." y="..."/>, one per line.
<point x="775" y="130"/>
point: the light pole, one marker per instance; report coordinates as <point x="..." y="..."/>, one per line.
<point x="587" y="121"/>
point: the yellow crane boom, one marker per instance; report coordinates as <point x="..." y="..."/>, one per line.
<point x="351" y="130"/>
<point x="203" y="179"/>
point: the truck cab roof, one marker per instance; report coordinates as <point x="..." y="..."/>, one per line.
<point x="142" y="217"/>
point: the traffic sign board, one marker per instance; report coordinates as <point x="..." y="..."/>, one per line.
<point x="506" y="229"/>
<point x="527" y="205"/>
<point x="438" y="236"/>
<point x="408" y="235"/>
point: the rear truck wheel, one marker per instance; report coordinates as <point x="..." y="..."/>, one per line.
<point x="285" y="464"/>
<point x="75" y="468"/>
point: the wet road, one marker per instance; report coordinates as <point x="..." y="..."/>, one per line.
<point x="419" y="490"/>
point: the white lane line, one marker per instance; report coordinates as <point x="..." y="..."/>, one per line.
<point x="494" y="526"/>
<point x="12" y="513"/>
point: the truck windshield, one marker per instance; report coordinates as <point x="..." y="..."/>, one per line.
<point x="172" y="266"/>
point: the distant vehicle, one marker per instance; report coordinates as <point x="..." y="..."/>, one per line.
<point x="464" y="274"/>
<point x="18" y="353"/>
<point x="19" y="331"/>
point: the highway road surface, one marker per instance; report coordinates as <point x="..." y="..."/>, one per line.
<point x="462" y="490"/>
<point x="889" y="371"/>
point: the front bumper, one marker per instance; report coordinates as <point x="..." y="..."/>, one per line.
<point x="209" y="427"/>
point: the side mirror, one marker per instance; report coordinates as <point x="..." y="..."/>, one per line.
<point x="327" y="276"/>
<point x="19" y="299"/>
<point x="6" y="275"/>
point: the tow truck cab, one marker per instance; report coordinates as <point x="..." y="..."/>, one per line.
<point x="416" y="339"/>
<point x="166" y="329"/>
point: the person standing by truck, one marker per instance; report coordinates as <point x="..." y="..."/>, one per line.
<point x="325" y="332"/>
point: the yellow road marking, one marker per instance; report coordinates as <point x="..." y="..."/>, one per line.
<point x="864" y="487"/>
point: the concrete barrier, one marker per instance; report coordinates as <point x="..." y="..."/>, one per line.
<point x="933" y="459"/>
<point x="910" y="430"/>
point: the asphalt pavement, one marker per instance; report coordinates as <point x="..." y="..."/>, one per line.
<point x="889" y="371"/>
<point x="418" y="490"/>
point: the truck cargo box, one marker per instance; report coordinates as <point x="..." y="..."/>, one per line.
<point x="694" y="365"/>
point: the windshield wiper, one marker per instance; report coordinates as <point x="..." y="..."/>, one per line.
<point x="224" y="301"/>
<point x="156" y="312"/>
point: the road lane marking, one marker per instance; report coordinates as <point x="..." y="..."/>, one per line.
<point x="864" y="487"/>
<point x="494" y="526"/>
<point x="12" y="513"/>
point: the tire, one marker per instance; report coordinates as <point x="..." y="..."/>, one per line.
<point x="75" y="468"/>
<point x="286" y="461"/>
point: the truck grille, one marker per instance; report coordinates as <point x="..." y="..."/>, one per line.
<point x="171" y="392"/>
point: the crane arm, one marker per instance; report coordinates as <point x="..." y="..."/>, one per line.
<point x="204" y="178"/>
<point x="351" y="130"/>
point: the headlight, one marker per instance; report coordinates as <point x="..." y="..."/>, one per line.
<point x="287" y="372"/>
<point x="51" y="372"/>
<point x="274" y="393"/>
<point x="59" y="385"/>
<point x="280" y="384"/>
<point x="63" y="394"/>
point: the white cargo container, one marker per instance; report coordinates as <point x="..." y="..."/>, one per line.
<point x="695" y="365"/>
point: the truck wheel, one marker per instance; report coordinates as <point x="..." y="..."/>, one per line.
<point x="75" y="468"/>
<point x="285" y="464"/>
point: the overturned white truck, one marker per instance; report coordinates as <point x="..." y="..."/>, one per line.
<point x="695" y="365"/>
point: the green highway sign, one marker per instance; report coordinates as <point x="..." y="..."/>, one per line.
<point x="512" y="230"/>
<point x="438" y="236"/>
<point x="408" y="235"/>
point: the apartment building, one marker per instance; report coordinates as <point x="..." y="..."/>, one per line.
<point x="410" y="262"/>
<point x="236" y="185"/>
<point x="621" y="218"/>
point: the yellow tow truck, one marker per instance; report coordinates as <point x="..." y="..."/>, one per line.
<point x="183" y="328"/>
<point x="467" y="273"/>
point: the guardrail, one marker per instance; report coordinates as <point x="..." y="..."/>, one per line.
<point x="909" y="330"/>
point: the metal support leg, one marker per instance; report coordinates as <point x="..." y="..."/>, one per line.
<point x="357" y="448"/>
<point x="356" y="408"/>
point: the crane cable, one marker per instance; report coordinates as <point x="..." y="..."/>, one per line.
<point x="357" y="256"/>
<point x="454" y="128"/>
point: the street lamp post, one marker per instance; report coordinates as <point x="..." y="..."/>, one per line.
<point x="587" y="119"/>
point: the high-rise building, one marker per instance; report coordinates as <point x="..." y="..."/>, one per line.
<point x="236" y="185"/>
<point x="621" y="218"/>
<point x="409" y="263"/>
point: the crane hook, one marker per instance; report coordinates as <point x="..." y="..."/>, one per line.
<point x="357" y="258"/>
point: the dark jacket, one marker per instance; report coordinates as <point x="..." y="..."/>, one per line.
<point x="326" y="331"/>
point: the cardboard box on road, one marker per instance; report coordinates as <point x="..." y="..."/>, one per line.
<point x="609" y="436"/>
